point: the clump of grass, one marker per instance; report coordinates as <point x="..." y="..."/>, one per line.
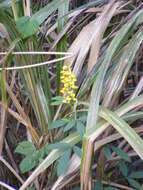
<point x="98" y="62"/>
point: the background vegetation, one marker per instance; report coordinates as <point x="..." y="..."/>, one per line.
<point x="94" y="142"/>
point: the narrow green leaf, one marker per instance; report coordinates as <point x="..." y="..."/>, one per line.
<point x="77" y="151"/>
<point x="63" y="163"/>
<point x="60" y="145"/>
<point x="99" y="185"/>
<point x="70" y="125"/>
<point x="57" y="100"/>
<point x="124" y="129"/>
<point x="62" y="44"/>
<point x="136" y="175"/>
<point x="110" y="188"/>
<point x="44" y="12"/>
<point x="107" y="152"/>
<point x="121" y="153"/>
<point x="83" y="118"/>
<point x="134" y="183"/>
<point x="2" y="86"/>
<point x="7" y="3"/>
<point x="56" y="103"/>
<point x="80" y="128"/>
<point x="123" y="168"/>
<point x="58" y="123"/>
<point x="25" y="148"/>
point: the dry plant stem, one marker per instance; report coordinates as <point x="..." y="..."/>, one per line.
<point x="36" y="53"/>
<point x="35" y="65"/>
<point x="26" y="4"/>
<point x="93" y="137"/>
<point x="102" y="23"/>
<point x="11" y="169"/>
<point x="138" y="89"/>
<point x="23" y="114"/>
<point x="6" y="186"/>
<point x="11" y="157"/>
<point x="116" y="185"/>
<point x="97" y="145"/>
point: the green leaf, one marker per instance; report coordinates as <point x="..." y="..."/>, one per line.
<point x="58" y="123"/>
<point x="98" y="186"/>
<point x="56" y="103"/>
<point x="80" y="128"/>
<point x="107" y="152"/>
<point x="121" y="153"/>
<point x="44" y="12"/>
<point x="63" y="163"/>
<point x="77" y="151"/>
<point x="83" y="118"/>
<point x="29" y="162"/>
<point x="136" y="175"/>
<point x="57" y="100"/>
<point x="2" y="87"/>
<point x="123" y="168"/>
<point x="60" y="145"/>
<point x="7" y="3"/>
<point x="125" y="130"/>
<point x="70" y="125"/>
<point x="134" y="183"/>
<point x="25" y="148"/>
<point x="26" y="26"/>
<point x="110" y="188"/>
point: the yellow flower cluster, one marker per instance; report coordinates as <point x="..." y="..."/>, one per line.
<point x="68" y="79"/>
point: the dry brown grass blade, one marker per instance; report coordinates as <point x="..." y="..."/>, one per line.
<point x="32" y="131"/>
<point x="87" y="159"/>
<point x="101" y="25"/>
<point x="26" y="4"/>
<point x="11" y="169"/>
<point x="65" y="29"/>
<point x="4" y="32"/>
<point x="138" y="89"/>
<point x="88" y="36"/>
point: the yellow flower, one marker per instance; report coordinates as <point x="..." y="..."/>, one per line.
<point x="68" y="79"/>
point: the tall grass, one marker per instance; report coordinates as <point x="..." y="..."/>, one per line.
<point x="46" y="143"/>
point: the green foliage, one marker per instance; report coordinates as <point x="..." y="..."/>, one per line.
<point x="77" y="151"/>
<point x="107" y="152"/>
<point x="63" y="162"/>
<point x="57" y="100"/>
<point x="70" y="125"/>
<point x="2" y="87"/>
<point x="99" y="185"/>
<point x="80" y="128"/>
<point x="136" y="175"/>
<point x="26" y="26"/>
<point x="107" y="78"/>
<point x="123" y="168"/>
<point x="110" y="188"/>
<point x="60" y="145"/>
<point x="57" y="124"/>
<point x="121" y="153"/>
<point x="25" y="148"/>
<point x="134" y="183"/>
<point x="32" y="156"/>
<point x="29" y="162"/>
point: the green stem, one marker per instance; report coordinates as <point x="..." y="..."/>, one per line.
<point x="14" y="9"/>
